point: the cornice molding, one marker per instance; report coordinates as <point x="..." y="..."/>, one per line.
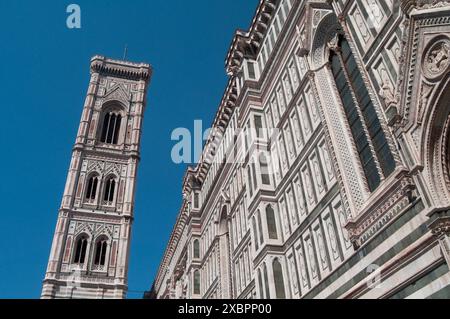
<point x="245" y="44"/>
<point x="408" y="5"/>
<point x="122" y="69"/>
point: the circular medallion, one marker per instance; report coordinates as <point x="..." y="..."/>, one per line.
<point x="437" y="59"/>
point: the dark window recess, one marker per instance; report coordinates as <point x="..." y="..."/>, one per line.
<point x="111" y="128"/>
<point x="109" y="190"/>
<point x="196" y="249"/>
<point x="271" y="223"/>
<point x="91" y="191"/>
<point x="260" y="284"/>
<point x="80" y="250"/>
<point x="345" y="69"/>
<point x="196" y="282"/>
<point x="100" y="252"/>
<point x="249" y="177"/>
<point x="196" y="200"/>
<point x="266" y="281"/>
<point x="278" y="279"/>
<point x="264" y="167"/>
<point x="251" y="70"/>
<point x="255" y="180"/>
<point x="258" y="126"/>
<point x="255" y="232"/>
<point x="261" y="235"/>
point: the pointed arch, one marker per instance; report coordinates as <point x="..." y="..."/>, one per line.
<point x="100" y="252"/>
<point x="80" y="249"/>
<point x="435" y="146"/>
<point x="196" y="284"/>
<point x="370" y="139"/>
<point x="110" y="187"/>
<point x="278" y="279"/>
<point x="266" y="281"/>
<point x="112" y="118"/>
<point x="196" y="249"/>
<point x="271" y="222"/>
<point x="92" y="187"/>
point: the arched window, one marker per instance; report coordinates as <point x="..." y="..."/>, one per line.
<point x="264" y="166"/>
<point x="260" y="229"/>
<point x="278" y="279"/>
<point x="255" y="232"/>
<point x="91" y="191"/>
<point x="110" y="187"/>
<point x="266" y="281"/>
<point x="100" y="252"/>
<point x="261" y="290"/>
<point x="197" y="282"/>
<point x="249" y="177"/>
<point x="111" y="128"/>
<point x="80" y="250"/>
<point x="255" y="178"/>
<point x="271" y="223"/>
<point x="196" y="249"/>
<point x="361" y="115"/>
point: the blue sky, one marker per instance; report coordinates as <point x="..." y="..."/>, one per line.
<point x="44" y="75"/>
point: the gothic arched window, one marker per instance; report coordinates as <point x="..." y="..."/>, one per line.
<point x="100" y="252"/>
<point x="271" y="223"/>
<point x="264" y="166"/>
<point x="255" y="232"/>
<point x="370" y="139"/>
<point x="197" y="282"/>
<point x="261" y="290"/>
<point x="278" y="279"/>
<point x="249" y="177"/>
<point x="80" y="250"/>
<point x="110" y="187"/>
<point x="266" y="281"/>
<point x="111" y="128"/>
<point x="196" y="249"/>
<point x="260" y="229"/>
<point x="91" y="191"/>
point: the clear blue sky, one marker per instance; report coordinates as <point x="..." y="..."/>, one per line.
<point x="44" y="75"/>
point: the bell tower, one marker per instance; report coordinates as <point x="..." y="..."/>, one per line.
<point x="90" y="250"/>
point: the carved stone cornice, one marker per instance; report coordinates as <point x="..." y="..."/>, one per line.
<point x="383" y="208"/>
<point x="439" y="223"/>
<point x="408" y="5"/>
<point x="122" y="69"/>
<point x="248" y="43"/>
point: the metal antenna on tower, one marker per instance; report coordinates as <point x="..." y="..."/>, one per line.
<point x="125" y="52"/>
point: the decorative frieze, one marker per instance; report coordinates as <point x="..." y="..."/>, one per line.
<point x="382" y="211"/>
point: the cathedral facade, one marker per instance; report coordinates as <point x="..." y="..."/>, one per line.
<point x="90" y="250"/>
<point x="326" y="174"/>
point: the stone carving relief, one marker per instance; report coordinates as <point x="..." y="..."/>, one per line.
<point x="437" y="59"/>
<point x="387" y="92"/>
<point x="424" y="96"/>
<point x="303" y="270"/>
<point x="300" y="198"/>
<point x="116" y="91"/>
<point x="292" y="207"/>
<point x="425" y="4"/>
<point x="376" y="14"/>
<point x="93" y="229"/>
<point x="360" y="24"/>
<point x="445" y="157"/>
<point x="394" y="50"/>
<point x="112" y="168"/>
<point x="294" y="274"/>
<point x="95" y="166"/>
